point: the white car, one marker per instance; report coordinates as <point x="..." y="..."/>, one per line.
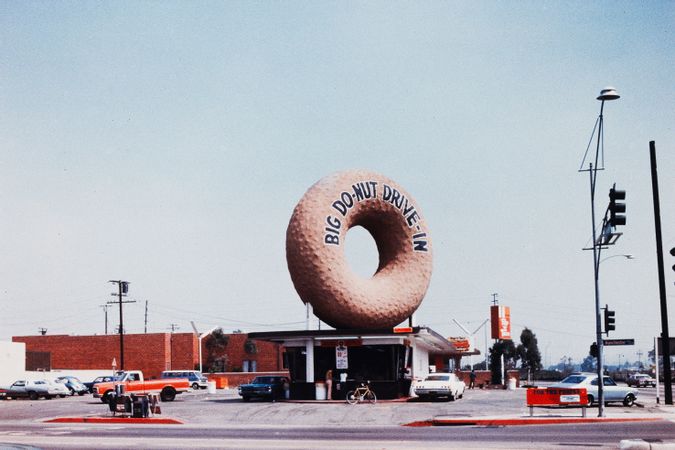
<point x="437" y="385"/>
<point x="641" y="379"/>
<point x="589" y="381"/>
<point x="57" y="388"/>
<point x="35" y="389"/>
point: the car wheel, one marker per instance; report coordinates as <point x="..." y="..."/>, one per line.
<point x="195" y="386"/>
<point x="590" y="400"/>
<point x="80" y="394"/>
<point x="33" y="395"/>
<point x="48" y="397"/>
<point x="105" y="398"/>
<point x="168" y="394"/>
<point x="246" y="398"/>
<point x="451" y="398"/>
<point x="62" y="395"/>
<point x="629" y="400"/>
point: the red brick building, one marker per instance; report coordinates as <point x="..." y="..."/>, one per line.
<point x="152" y="353"/>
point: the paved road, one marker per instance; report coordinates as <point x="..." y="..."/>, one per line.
<point x="224" y="421"/>
<point x="529" y="437"/>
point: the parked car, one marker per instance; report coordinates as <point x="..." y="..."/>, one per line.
<point x="102" y="379"/>
<point x="436" y="385"/>
<point x="34" y="389"/>
<point x="74" y="385"/>
<point x="612" y="391"/>
<point x="57" y="388"/>
<point x="264" y="387"/>
<point x="195" y="377"/>
<point x="641" y="379"/>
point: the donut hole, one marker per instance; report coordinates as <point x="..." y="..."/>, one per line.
<point x="361" y="252"/>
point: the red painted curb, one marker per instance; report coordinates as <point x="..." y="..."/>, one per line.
<point x="114" y="420"/>
<point x="535" y="421"/>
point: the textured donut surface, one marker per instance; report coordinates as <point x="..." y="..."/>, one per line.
<point x="315" y="241"/>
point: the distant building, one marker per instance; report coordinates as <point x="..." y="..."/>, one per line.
<point x="152" y="352"/>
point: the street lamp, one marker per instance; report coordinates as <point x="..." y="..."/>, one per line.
<point x="200" y="337"/>
<point x="617" y="256"/>
<point x="607" y="94"/>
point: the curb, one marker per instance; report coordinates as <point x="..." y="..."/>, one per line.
<point x="126" y="420"/>
<point x="531" y="421"/>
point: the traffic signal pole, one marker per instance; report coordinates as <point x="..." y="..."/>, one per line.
<point x="665" y="336"/>
<point x="596" y="268"/>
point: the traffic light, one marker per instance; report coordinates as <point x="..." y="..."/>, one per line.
<point x="617" y="209"/>
<point x="594" y="350"/>
<point x="609" y="320"/>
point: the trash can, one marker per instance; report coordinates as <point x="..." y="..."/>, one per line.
<point x="320" y="390"/>
<point x="211" y="387"/>
<point x="512" y="384"/>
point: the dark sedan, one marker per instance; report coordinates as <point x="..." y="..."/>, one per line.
<point x="265" y="387"/>
<point x="90" y="384"/>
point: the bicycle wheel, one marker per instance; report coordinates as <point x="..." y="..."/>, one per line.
<point x="352" y="398"/>
<point x="370" y="397"/>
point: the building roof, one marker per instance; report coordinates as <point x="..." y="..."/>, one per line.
<point x="424" y="336"/>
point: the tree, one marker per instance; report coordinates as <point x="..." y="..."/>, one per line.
<point x="506" y="348"/>
<point x="588" y="364"/>
<point x="528" y="350"/>
<point x="216" y="344"/>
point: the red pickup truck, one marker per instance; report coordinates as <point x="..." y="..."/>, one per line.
<point x="133" y="383"/>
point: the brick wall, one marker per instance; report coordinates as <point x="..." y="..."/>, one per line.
<point x="152" y="353"/>
<point x="268" y="355"/>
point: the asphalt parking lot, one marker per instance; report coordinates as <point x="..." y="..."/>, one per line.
<point x="225" y="408"/>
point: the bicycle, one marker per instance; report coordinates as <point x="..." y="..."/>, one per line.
<point x="363" y="393"/>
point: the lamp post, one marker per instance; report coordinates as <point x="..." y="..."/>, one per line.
<point x="607" y="94"/>
<point x="200" y="337"/>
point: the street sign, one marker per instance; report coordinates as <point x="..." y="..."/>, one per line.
<point x="618" y="342"/>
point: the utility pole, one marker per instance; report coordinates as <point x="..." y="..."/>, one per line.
<point x="122" y="290"/>
<point x="174" y="327"/>
<point x="146" y="317"/>
<point x="494" y="299"/>
<point x="665" y="335"/>
<point x="105" y="311"/>
<point x="42" y="331"/>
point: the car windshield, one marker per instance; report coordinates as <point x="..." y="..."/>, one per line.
<point x="438" y="378"/>
<point x="574" y="379"/>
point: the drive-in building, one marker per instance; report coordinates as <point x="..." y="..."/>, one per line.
<point x="390" y="359"/>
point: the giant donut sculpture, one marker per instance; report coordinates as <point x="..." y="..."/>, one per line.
<point x="315" y="241"/>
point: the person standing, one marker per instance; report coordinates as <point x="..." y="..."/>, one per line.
<point x="472" y="379"/>
<point x="329" y="384"/>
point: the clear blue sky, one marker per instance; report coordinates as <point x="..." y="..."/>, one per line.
<point x="166" y="143"/>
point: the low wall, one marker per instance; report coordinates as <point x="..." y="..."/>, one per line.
<point x="226" y="380"/>
<point x="483" y="378"/>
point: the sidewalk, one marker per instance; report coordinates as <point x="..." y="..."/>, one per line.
<point x="543" y="415"/>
